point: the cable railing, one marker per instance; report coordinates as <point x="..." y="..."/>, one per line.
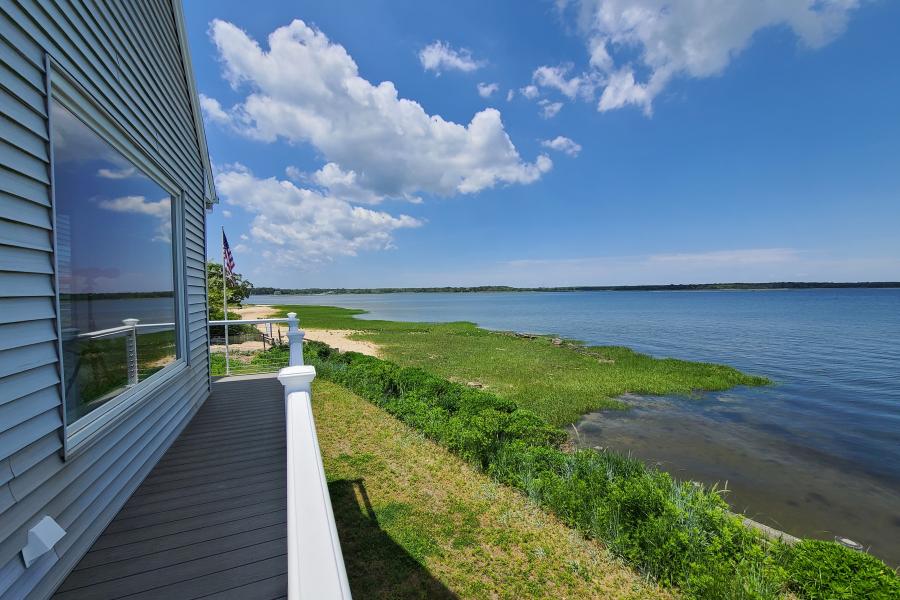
<point x="248" y="346"/>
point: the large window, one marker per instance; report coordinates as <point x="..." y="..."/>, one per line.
<point x="116" y="269"/>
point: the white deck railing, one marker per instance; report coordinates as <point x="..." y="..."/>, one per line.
<point x="315" y="561"/>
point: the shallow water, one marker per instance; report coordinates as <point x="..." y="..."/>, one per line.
<point x="816" y="454"/>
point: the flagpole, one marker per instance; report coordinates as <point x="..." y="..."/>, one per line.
<point x="225" y="305"/>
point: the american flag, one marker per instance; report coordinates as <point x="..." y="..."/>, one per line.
<point x="228" y="259"/>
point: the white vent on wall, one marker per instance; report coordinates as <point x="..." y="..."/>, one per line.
<point x="41" y="538"/>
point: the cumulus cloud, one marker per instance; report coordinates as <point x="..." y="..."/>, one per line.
<point x="485" y="90"/>
<point x="307" y="89"/>
<point x="549" y="109"/>
<point x="510" y="95"/>
<point x="562" y="144"/>
<point x="555" y="78"/>
<point x="139" y="205"/>
<point x="693" y="38"/>
<point x="296" y="226"/>
<point x="440" y="56"/>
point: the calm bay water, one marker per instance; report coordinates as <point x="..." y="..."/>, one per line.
<point x="816" y="454"/>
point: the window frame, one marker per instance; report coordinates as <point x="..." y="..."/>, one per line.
<point x="65" y="90"/>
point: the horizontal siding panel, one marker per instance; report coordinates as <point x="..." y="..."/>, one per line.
<point x="20" y="88"/>
<point x="22" y="186"/>
<point x="27" y="382"/>
<point x="25" y="260"/>
<point x="26" y="358"/>
<point x="35" y="452"/>
<point x="25" y="284"/>
<point x="17" y="310"/>
<point x="17" y="63"/>
<point x="15" y="413"/>
<point x="16" y="335"/>
<point x="15" y="438"/>
<point x="23" y="211"/>
<point x="22" y="138"/>
<point x="18" y="112"/>
<point x="14" y="159"/>
<point x="24" y="236"/>
<point x="20" y="42"/>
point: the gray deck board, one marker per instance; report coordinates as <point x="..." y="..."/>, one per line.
<point x="209" y="520"/>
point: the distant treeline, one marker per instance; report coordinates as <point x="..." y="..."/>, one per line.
<point x="116" y="295"/>
<point x="774" y="285"/>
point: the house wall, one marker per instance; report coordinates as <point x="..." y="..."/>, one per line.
<point x="127" y="56"/>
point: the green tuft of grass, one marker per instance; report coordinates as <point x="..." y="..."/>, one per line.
<point x="825" y="570"/>
<point x="558" y="382"/>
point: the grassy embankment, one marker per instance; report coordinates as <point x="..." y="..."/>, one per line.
<point x="415" y="521"/>
<point x="560" y="383"/>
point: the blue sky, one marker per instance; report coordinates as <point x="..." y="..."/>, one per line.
<point x="694" y="141"/>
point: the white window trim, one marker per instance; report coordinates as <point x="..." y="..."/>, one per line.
<point x="71" y="95"/>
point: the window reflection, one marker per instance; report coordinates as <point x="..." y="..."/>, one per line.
<point x="116" y="270"/>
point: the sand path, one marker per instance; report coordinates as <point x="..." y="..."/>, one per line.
<point x="336" y="338"/>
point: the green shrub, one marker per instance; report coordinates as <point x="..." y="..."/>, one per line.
<point x="819" y="569"/>
<point x="679" y="533"/>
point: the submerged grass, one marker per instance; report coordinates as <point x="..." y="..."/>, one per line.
<point x="558" y="382"/>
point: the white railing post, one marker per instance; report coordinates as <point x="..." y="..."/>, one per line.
<point x="295" y="340"/>
<point x="131" y="356"/>
<point x="315" y="561"/>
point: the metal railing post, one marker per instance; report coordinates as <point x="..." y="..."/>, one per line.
<point x="131" y="352"/>
<point x="295" y="340"/>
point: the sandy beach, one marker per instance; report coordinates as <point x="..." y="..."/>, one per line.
<point x="336" y="338"/>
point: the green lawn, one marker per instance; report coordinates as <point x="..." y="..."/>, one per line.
<point x="559" y="382"/>
<point x="416" y="521"/>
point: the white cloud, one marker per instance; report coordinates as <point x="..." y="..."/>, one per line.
<point x="213" y="110"/>
<point x="297" y="226"/>
<point x="693" y="38"/>
<point x="549" y="109"/>
<point x="226" y="214"/>
<point x="305" y="88"/>
<point x="440" y="56"/>
<point x="485" y="90"/>
<point x="562" y="144"/>
<point x="510" y="95"/>
<point x="555" y="78"/>
<point x="530" y="91"/>
<point x="122" y="173"/>
<point x="139" y="205"/>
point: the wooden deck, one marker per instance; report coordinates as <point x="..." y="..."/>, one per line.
<point x="210" y="519"/>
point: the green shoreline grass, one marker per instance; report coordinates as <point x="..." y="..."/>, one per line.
<point x="558" y="382"/>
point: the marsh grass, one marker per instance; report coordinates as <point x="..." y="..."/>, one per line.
<point x="558" y="382"/>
